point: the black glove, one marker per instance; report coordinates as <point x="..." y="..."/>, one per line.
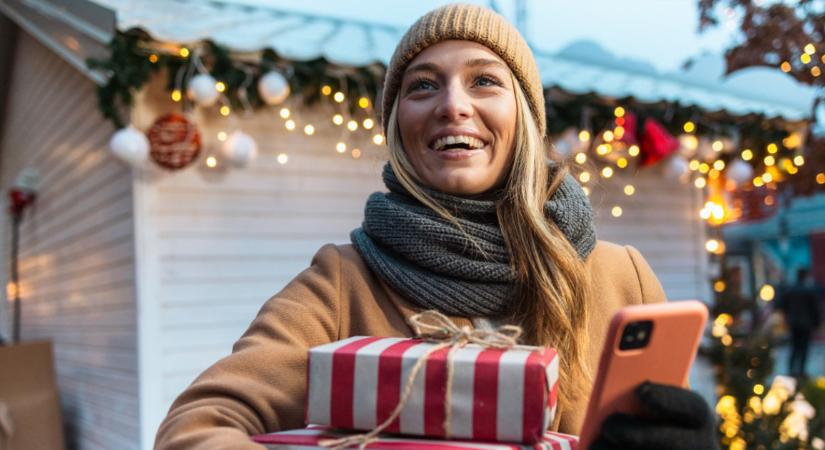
<point x="672" y="418"/>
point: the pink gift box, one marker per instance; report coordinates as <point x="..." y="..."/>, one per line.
<point x="496" y="395"/>
<point x="312" y="436"/>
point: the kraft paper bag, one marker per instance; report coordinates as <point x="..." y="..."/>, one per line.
<point x="30" y="416"/>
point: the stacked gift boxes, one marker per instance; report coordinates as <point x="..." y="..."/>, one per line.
<point x="477" y="395"/>
<point x="314" y="436"/>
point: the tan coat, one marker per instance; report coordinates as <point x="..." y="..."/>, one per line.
<point x="261" y="386"/>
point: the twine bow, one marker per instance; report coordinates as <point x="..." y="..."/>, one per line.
<point x="434" y="326"/>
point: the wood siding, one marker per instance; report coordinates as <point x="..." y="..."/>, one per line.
<point x="76" y="246"/>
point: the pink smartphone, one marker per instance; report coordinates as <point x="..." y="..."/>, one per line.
<point x="654" y="343"/>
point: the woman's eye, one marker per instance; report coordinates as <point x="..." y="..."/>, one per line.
<point x="421" y="85"/>
<point x="485" y="81"/>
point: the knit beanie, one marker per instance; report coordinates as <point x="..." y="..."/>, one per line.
<point x="474" y="23"/>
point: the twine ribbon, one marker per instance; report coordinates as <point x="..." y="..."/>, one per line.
<point x="434" y="326"/>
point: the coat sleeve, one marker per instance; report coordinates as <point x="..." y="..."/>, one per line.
<point x="650" y="286"/>
<point x="261" y="386"/>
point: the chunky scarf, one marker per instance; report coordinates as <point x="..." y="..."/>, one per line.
<point x="431" y="263"/>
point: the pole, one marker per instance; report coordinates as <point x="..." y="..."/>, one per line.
<point x="15" y="234"/>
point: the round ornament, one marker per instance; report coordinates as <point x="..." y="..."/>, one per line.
<point x="174" y="141"/>
<point x="240" y="149"/>
<point x="130" y="145"/>
<point x="568" y="143"/>
<point x="202" y="90"/>
<point x="273" y="88"/>
<point x="739" y="171"/>
<point x="676" y="169"/>
<point x="688" y="144"/>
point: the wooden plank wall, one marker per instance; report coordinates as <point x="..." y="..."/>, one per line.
<point x="76" y="245"/>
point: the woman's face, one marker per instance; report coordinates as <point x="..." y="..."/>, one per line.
<point x="457" y="117"/>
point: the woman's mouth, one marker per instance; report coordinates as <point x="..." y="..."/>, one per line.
<point x="458" y="146"/>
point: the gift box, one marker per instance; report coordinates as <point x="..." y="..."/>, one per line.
<point x="495" y="395"/>
<point x="313" y="436"/>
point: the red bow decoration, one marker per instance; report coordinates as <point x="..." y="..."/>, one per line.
<point x="654" y="142"/>
<point x="19" y="199"/>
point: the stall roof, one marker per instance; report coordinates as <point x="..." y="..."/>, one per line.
<point x="581" y="67"/>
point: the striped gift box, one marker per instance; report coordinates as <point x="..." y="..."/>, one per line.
<point x="311" y="437"/>
<point x="496" y="395"/>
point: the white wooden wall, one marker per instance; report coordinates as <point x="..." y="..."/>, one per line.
<point x="76" y="245"/>
<point x="217" y="245"/>
<point x="661" y="219"/>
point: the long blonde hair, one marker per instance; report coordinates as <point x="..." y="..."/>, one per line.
<point x="552" y="283"/>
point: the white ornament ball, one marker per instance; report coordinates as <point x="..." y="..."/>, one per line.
<point x="739" y="171"/>
<point x="705" y="151"/>
<point x="676" y="169"/>
<point x="273" y="87"/>
<point x="130" y="145"/>
<point x="688" y="144"/>
<point x="202" y="90"/>
<point x="567" y="143"/>
<point x="240" y="149"/>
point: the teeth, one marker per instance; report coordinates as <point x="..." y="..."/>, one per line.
<point x="472" y="142"/>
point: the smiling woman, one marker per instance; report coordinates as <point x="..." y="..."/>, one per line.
<point x="476" y="225"/>
<point x="457" y="120"/>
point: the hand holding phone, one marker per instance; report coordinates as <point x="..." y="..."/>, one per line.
<point x="655" y="343"/>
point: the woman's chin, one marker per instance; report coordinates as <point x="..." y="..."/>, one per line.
<point x="462" y="181"/>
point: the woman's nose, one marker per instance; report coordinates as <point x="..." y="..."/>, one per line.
<point x="455" y="104"/>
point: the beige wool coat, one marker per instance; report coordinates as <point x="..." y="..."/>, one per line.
<point x="261" y="386"/>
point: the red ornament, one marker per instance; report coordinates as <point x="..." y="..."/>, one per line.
<point x="174" y="141"/>
<point x="656" y="143"/>
<point x="629" y="124"/>
<point x="19" y="199"/>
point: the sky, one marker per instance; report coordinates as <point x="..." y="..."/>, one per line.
<point x="660" y="32"/>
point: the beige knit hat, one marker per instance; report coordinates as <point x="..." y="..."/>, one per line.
<point x="467" y="23"/>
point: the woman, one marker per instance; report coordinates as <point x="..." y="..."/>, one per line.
<point x="476" y="225"/>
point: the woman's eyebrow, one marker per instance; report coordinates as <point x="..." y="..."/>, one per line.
<point x="422" y="67"/>
<point x="481" y="62"/>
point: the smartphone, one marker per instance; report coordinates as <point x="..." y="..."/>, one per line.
<point x="656" y="343"/>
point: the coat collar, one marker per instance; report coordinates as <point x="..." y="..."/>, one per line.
<point x="408" y="309"/>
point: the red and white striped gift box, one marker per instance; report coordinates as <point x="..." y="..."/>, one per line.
<point x="496" y="395"/>
<point x="311" y="437"/>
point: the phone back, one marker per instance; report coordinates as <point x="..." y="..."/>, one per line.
<point x="666" y="359"/>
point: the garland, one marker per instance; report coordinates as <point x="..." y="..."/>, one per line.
<point x="135" y="57"/>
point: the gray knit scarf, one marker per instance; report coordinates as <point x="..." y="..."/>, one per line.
<point x="427" y="259"/>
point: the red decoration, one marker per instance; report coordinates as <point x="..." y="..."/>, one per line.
<point x="656" y="143"/>
<point x="628" y="122"/>
<point x="19" y="199"/>
<point x="174" y="141"/>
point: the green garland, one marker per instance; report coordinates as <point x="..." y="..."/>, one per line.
<point x="130" y="67"/>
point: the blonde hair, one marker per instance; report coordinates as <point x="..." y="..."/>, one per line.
<point x="552" y="283"/>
